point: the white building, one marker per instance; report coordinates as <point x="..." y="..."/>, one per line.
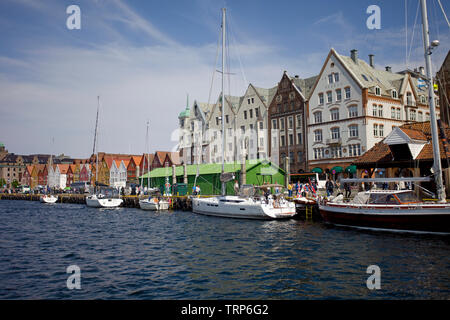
<point x="118" y="173"/>
<point x="353" y="106"/>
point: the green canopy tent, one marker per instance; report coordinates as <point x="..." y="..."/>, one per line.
<point x="317" y="170"/>
<point x="351" y="169"/>
<point x="336" y="169"/>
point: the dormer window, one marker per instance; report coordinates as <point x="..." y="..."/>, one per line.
<point x="378" y="91"/>
<point x="422" y="99"/>
<point x="394" y="94"/>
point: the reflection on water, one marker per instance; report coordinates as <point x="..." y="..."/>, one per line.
<point x="133" y="254"/>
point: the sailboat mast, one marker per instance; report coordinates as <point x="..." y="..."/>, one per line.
<point x="434" y="130"/>
<point x="148" y="160"/>
<point x="223" y="98"/>
<point x="95" y="140"/>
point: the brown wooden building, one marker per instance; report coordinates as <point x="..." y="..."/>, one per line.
<point x="443" y="82"/>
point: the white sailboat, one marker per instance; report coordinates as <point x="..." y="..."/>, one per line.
<point x="248" y="207"/>
<point x="154" y="202"/>
<point x="48" y="198"/>
<point x="398" y="209"/>
<point x="103" y="197"/>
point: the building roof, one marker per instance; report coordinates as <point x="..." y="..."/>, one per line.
<point x="381" y="153"/>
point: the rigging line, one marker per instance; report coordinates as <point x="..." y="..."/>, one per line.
<point x="443" y="12"/>
<point x="406" y="34"/>
<point x="413" y="31"/>
<point x="215" y="65"/>
<point x="237" y="51"/>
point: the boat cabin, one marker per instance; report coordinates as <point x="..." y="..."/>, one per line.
<point x="388" y="197"/>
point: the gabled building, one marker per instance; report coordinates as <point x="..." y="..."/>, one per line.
<point x="287" y="122"/>
<point x="353" y="106"/>
<point x="442" y="81"/>
<point x="193" y="142"/>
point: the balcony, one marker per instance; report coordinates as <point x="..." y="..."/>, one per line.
<point x="334" y="141"/>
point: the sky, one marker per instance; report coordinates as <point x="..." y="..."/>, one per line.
<point x="144" y="57"/>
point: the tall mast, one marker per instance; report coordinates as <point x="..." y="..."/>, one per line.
<point x="434" y="131"/>
<point x="148" y="159"/>
<point x="223" y="98"/>
<point x="95" y="140"/>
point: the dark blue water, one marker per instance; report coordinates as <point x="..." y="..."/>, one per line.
<point x="132" y="254"/>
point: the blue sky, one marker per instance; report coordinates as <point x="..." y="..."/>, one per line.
<point x="143" y="57"/>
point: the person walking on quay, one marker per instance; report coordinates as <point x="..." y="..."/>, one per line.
<point x="329" y="186"/>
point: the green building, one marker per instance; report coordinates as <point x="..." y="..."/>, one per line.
<point x="257" y="173"/>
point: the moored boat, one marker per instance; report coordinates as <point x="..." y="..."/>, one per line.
<point x="390" y="210"/>
<point x="48" y="198"/>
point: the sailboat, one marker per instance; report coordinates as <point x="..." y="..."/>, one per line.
<point x="48" y="198"/>
<point x="398" y="209"/>
<point x="154" y="202"/>
<point x="246" y="205"/>
<point x="103" y="197"/>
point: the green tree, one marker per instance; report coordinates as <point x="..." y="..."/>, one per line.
<point x="15" y="183"/>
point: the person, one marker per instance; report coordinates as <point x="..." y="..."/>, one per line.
<point x="329" y="186"/>
<point x="236" y="187"/>
<point x="348" y="190"/>
<point x="194" y="190"/>
<point x="197" y="189"/>
<point x="290" y="189"/>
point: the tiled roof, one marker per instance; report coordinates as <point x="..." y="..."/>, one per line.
<point x="418" y="131"/>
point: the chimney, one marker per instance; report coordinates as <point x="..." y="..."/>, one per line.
<point x="422" y="70"/>
<point x="371" y="60"/>
<point x="354" y="55"/>
<point x="388" y="69"/>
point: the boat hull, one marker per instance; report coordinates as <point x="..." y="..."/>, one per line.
<point x="48" y="199"/>
<point x="153" y="206"/>
<point x="103" y="202"/>
<point x="242" y="209"/>
<point x="432" y="218"/>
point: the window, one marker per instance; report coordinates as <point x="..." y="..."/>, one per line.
<point x="381" y="130"/>
<point x="300" y="156"/>
<point x="279" y="108"/>
<point x="335" y="133"/>
<point x="227" y="119"/>
<point x="256" y="112"/>
<point x="330" y="78"/>
<point x="393" y="115"/>
<point x="274" y="124"/>
<point x="338" y="95"/>
<point x="261" y="142"/>
<point x="336" y="152"/>
<point x="420" y="116"/>
<point x="299" y="121"/>
<point x="380" y="111"/>
<point x="251" y="113"/>
<point x="399" y="115"/>
<point x="336" y="77"/>
<point x="409" y="101"/>
<point x="353" y="130"/>
<point x="412" y="115"/>
<point x="374" y="110"/>
<point x="217" y="120"/>
<point x="245" y="114"/>
<point x="253" y="100"/>
<point x="291" y="122"/>
<point x="282" y="123"/>
<point x="283" y="142"/>
<point x="354" y="150"/>
<point x="291" y="139"/>
<point x="352" y="111"/>
<point x="375" y="130"/>
<point x="334" y="114"/>
<point x="230" y="132"/>
<point x="378" y="91"/>
<point x="242" y="129"/>
<point x="318" y="117"/>
<point x="347" y="93"/>
<point x="394" y="94"/>
<point x="261" y="125"/>
<point x="248" y="101"/>
<point x="299" y="138"/>
<point x="329" y="97"/>
<point x="320" y="98"/>
<point x="422" y="99"/>
<point x="318" y="153"/>
<point x="318" y="135"/>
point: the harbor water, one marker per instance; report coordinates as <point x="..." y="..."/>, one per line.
<point x="128" y="253"/>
